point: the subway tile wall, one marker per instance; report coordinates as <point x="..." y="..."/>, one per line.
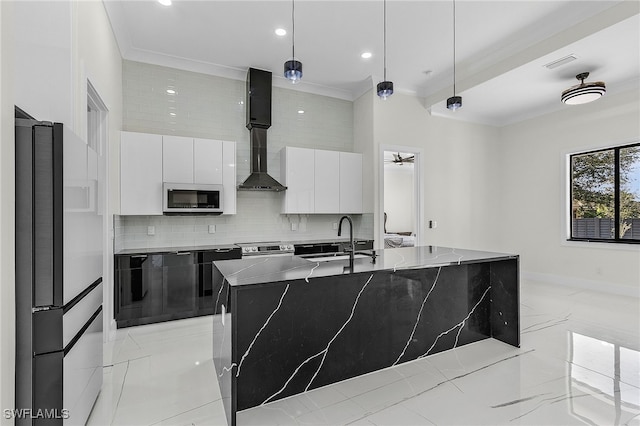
<point x="213" y="107"/>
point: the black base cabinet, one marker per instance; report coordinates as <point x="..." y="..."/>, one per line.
<point x="163" y="286"/>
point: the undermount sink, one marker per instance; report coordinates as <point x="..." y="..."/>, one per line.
<point x="329" y="258"/>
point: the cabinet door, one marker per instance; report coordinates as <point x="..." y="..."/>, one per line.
<point x="177" y="159"/>
<point x="140" y="174"/>
<point x="327" y="181"/>
<point x="179" y="283"/>
<point x="229" y="177"/>
<point x="138" y="287"/>
<point x="207" y="161"/>
<point x="350" y="182"/>
<point x="297" y="165"/>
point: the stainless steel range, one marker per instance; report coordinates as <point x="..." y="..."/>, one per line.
<point x="269" y="248"/>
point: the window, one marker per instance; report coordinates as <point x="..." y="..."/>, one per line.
<point x="605" y="195"/>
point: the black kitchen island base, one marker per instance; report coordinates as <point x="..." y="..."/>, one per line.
<point x="287" y="325"/>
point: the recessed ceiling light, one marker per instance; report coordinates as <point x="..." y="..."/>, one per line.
<point x="165" y="2"/>
<point x="300" y="111"/>
<point x="366" y="55"/>
<point x="173" y="114"/>
<point x="281" y="32"/>
<point x="171" y="91"/>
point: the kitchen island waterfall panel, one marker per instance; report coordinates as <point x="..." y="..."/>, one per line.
<point x="309" y="324"/>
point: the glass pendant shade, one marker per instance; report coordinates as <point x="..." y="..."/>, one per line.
<point x="454" y="102"/>
<point x="385" y="89"/>
<point x="293" y="70"/>
<point x="584" y="92"/>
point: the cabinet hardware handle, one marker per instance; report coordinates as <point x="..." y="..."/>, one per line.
<point x="139" y="256"/>
<point x="307" y="245"/>
<point x="182" y="253"/>
<point x="223" y="250"/>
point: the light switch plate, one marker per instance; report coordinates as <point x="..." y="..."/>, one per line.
<point x="212" y="229"/>
<point x="151" y="230"/>
<point x="294" y="226"/>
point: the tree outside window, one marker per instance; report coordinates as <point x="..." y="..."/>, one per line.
<point x="605" y="195"/>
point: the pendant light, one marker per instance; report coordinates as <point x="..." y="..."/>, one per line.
<point x="384" y="88"/>
<point x="584" y="92"/>
<point x="454" y="102"/>
<point x="293" y="68"/>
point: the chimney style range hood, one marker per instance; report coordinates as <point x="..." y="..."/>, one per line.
<point x="258" y="107"/>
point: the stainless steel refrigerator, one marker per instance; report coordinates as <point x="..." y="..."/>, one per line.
<point x="58" y="275"/>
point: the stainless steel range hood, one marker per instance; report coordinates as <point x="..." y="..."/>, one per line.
<point x="258" y="121"/>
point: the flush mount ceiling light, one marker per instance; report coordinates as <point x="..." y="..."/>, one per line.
<point x="454" y="102"/>
<point x="366" y="55"/>
<point x="281" y="32"/>
<point x="165" y="2"/>
<point x="384" y="88"/>
<point x="293" y="68"/>
<point x="584" y="92"/>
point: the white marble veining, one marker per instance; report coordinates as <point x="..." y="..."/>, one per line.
<point x="459" y="326"/>
<point x="244" y="356"/>
<point x="578" y="365"/>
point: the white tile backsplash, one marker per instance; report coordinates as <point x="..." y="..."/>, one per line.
<point x="213" y="107"/>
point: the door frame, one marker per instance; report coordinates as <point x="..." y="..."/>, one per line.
<point x="417" y="191"/>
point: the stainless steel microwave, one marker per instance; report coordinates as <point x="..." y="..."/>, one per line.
<point x="182" y="198"/>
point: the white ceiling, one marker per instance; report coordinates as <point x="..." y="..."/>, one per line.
<point x="501" y="46"/>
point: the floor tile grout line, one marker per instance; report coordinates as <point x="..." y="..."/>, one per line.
<point x="441" y="383"/>
<point x="124" y="379"/>
<point x="184" y="412"/>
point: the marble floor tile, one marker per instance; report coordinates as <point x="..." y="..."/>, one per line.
<point x="578" y="364"/>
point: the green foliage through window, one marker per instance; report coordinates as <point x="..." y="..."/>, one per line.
<point x="605" y="195"/>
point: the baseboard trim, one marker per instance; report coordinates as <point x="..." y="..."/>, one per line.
<point x="583" y="284"/>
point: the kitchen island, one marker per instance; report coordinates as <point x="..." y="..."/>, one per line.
<point x="285" y="325"/>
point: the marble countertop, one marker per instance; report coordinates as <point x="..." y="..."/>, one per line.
<point x="175" y="249"/>
<point x="258" y="270"/>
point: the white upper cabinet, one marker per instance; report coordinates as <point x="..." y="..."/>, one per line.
<point x="320" y="181"/>
<point x="208" y="161"/>
<point x="177" y="159"/>
<point x="297" y="174"/>
<point x="327" y="181"/>
<point x="229" y="176"/>
<point x="140" y="174"/>
<point x="189" y="160"/>
<point x="146" y="161"/>
<point x="350" y="182"/>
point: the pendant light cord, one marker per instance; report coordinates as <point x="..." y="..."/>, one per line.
<point x="454" y="47"/>
<point x="384" y="37"/>
<point x="293" y="29"/>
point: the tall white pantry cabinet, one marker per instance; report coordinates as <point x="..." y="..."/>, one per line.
<point x="148" y="160"/>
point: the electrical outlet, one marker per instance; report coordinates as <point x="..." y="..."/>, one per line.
<point x="335" y="225"/>
<point x="212" y="229"/>
<point x="433" y="224"/>
<point x="151" y="230"/>
<point x="294" y="226"/>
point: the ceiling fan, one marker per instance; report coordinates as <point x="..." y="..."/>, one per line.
<point x="399" y="159"/>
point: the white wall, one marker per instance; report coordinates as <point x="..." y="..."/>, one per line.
<point x="48" y="51"/>
<point x="399" y="197"/>
<point x="7" y="216"/>
<point x="532" y="213"/>
<point x="457" y="169"/>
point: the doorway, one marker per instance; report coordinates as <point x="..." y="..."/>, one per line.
<point x="400" y="200"/>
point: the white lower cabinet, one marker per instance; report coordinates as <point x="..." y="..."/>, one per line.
<point x="320" y="181"/>
<point x="140" y="174"/>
